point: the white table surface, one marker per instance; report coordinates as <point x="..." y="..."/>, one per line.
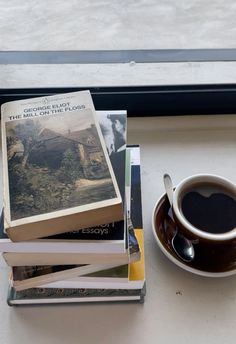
<point x="179" y="306"/>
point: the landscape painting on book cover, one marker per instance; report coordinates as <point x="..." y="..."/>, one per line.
<point x="55" y="163"/>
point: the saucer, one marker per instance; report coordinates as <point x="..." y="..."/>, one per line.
<point x="163" y="235"/>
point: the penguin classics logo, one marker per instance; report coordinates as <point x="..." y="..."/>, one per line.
<point x="45" y="100"/>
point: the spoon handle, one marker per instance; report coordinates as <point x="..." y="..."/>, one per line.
<point x="169" y="187"/>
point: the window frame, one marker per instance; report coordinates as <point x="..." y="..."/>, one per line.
<point x="145" y="101"/>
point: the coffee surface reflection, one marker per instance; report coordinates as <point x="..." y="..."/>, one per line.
<point x="210" y="208"/>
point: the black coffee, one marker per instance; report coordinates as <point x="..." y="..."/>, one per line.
<point x="210" y="208"/>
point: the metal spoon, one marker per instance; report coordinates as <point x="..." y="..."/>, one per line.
<point x="182" y="246"/>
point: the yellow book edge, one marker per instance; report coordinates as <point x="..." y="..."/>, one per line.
<point x="137" y="269"/>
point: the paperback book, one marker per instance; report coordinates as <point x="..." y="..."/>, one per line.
<point x="25" y="277"/>
<point x="57" y="175"/>
<point x="131" y="253"/>
<point x="57" y="296"/>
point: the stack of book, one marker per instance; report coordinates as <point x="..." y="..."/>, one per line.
<point x="71" y="228"/>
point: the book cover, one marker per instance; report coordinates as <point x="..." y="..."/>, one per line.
<point x="129" y="185"/>
<point x="136" y="194"/>
<point x="137" y="268"/>
<point x="57" y="173"/>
